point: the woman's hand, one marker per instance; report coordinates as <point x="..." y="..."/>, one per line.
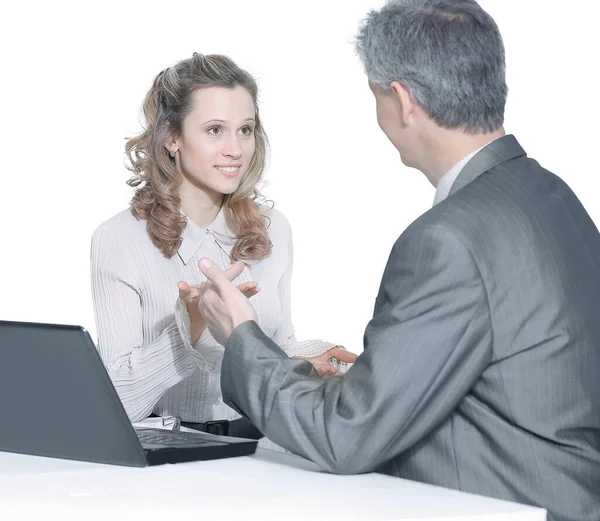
<point x="322" y="363"/>
<point x="190" y="295"/>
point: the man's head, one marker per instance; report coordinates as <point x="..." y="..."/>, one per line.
<point x="433" y="65"/>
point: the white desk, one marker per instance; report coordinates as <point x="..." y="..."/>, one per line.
<point x="266" y="486"/>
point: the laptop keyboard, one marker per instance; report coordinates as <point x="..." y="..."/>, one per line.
<point x="172" y="438"/>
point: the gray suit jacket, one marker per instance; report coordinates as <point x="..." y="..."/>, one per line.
<point x="481" y="365"/>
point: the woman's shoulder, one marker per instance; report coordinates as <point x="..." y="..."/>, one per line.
<point x="123" y="227"/>
<point x="278" y="226"/>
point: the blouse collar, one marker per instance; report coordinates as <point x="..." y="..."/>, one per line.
<point x="193" y="235"/>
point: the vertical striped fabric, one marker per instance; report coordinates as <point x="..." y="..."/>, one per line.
<point x="481" y="365"/>
<point x="143" y="327"/>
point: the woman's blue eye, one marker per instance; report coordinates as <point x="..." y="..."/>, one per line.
<point x="246" y="131"/>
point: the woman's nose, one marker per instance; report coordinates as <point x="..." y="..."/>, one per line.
<point x="232" y="148"/>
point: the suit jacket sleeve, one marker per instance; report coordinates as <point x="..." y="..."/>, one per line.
<point x="429" y="340"/>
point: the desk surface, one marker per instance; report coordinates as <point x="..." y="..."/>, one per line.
<point x="265" y="486"/>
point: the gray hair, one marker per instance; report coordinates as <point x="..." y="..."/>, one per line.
<point x="449" y="55"/>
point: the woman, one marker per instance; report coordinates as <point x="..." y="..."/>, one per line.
<point x="195" y="168"/>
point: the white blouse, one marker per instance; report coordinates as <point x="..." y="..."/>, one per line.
<point x="144" y="328"/>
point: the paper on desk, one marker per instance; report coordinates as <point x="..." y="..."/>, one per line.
<point x="169" y="423"/>
<point x="172" y="423"/>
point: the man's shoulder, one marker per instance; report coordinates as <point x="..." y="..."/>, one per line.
<point x="504" y="192"/>
<point x="506" y="205"/>
<point x="451" y="225"/>
<point x="517" y="182"/>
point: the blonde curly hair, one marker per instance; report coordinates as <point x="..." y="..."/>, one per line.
<point x="156" y="177"/>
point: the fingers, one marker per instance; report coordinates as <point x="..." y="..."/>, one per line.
<point x="327" y="370"/>
<point x="184" y="288"/>
<point x="249" y="289"/>
<point x="218" y="278"/>
<point x="341" y="355"/>
<point x="324" y="369"/>
<point x="234" y="270"/>
<point x="187" y="293"/>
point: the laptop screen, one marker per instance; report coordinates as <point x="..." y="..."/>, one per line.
<point x="58" y="399"/>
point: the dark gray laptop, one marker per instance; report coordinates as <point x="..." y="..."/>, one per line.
<point x="58" y="401"/>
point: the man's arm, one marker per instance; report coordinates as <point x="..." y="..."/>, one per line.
<point x="428" y="342"/>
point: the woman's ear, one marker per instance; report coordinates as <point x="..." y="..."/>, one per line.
<point x="169" y="136"/>
<point x="172" y="145"/>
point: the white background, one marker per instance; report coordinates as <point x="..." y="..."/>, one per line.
<point x="74" y="76"/>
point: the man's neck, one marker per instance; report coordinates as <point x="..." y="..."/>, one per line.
<point x="446" y="147"/>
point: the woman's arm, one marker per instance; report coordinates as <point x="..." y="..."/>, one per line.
<point x="140" y="373"/>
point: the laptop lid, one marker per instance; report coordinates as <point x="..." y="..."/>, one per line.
<point x="57" y="398"/>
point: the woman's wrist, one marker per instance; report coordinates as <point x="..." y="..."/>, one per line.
<point x="197" y="325"/>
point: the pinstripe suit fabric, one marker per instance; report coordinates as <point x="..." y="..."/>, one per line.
<point x="481" y="368"/>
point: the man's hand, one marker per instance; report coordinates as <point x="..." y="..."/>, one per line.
<point x="322" y="363"/>
<point x="221" y="304"/>
<point x="190" y="295"/>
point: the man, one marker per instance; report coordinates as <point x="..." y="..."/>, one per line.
<point x="481" y="365"/>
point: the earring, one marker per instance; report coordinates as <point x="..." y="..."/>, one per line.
<point x="172" y="153"/>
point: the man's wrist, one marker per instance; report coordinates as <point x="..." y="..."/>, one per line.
<point x="237" y="328"/>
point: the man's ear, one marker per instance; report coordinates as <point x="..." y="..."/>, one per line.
<point x="405" y="102"/>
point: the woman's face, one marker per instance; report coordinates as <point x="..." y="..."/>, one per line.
<point x="217" y="139"/>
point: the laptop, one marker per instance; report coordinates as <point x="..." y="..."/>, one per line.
<point x="58" y="401"/>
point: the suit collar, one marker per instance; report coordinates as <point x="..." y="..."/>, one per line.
<point x="499" y="151"/>
<point x="194" y="236"/>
